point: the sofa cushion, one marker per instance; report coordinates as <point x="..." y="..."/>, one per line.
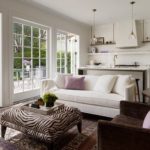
<point x="127" y="120"/>
<point x="105" y="83"/>
<point x="74" y="83"/>
<point x="90" y="81"/>
<point x="90" y="97"/>
<point x="121" y="83"/>
<point x="60" y="80"/>
<point x="146" y="123"/>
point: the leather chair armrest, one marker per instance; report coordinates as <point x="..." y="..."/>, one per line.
<point x="134" y="109"/>
<point x="112" y="136"/>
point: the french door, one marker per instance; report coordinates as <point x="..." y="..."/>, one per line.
<point x="67" y="52"/>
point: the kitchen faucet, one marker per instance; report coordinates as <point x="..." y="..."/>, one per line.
<point x="114" y="59"/>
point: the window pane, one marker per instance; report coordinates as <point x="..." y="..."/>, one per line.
<point x="18" y="84"/>
<point x="58" y="54"/>
<point x="43" y="53"/>
<point x="35" y="63"/>
<point x="62" y="54"/>
<point x="35" y="52"/>
<point x="43" y="44"/>
<point x="17" y="74"/>
<point x="62" y="70"/>
<point x="17" y="63"/>
<point x="62" y="62"/>
<point x="27" y="52"/>
<point x="17" y="40"/>
<point x="43" y="62"/>
<point x="27" y="41"/>
<point x="17" y="51"/>
<point x="69" y="62"/>
<point x="27" y="80"/>
<point x="58" y="63"/>
<point x="17" y="28"/>
<point x="27" y="30"/>
<point x="35" y="32"/>
<point x="58" y="69"/>
<point x="43" y="34"/>
<point x="27" y="64"/>
<point x="35" y="42"/>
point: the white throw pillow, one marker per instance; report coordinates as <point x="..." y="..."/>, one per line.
<point x="90" y="81"/>
<point x="121" y="83"/>
<point x="105" y="83"/>
<point x="60" y="80"/>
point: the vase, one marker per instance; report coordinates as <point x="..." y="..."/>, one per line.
<point x="49" y="104"/>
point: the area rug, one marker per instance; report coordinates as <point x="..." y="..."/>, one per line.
<point x="71" y="140"/>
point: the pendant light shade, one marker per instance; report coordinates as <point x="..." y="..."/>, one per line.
<point x="132" y="34"/>
<point x="93" y="37"/>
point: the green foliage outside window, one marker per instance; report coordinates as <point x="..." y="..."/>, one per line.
<point x="38" y="52"/>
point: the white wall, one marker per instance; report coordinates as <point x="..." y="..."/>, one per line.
<point x="133" y="54"/>
<point x="14" y="8"/>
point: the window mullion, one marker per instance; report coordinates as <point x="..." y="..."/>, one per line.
<point x="32" y="57"/>
<point x="66" y="54"/>
<point x="23" y="57"/>
<point x="39" y="50"/>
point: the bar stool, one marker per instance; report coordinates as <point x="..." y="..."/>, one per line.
<point x="138" y="91"/>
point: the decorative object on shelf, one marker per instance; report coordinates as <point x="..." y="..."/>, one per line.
<point x="132" y="34"/>
<point x="97" y="63"/>
<point x="93" y="37"/>
<point x="91" y="62"/>
<point x="94" y="49"/>
<point x="49" y="99"/>
<point x="100" y="40"/>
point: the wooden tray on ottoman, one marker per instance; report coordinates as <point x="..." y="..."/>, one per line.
<point x="42" y="110"/>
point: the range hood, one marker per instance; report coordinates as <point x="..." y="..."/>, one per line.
<point x="123" y="30"/>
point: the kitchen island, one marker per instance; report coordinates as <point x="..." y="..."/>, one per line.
<point x="141" y="73"/>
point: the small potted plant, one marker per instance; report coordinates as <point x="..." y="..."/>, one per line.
<point x="49" y="99"/>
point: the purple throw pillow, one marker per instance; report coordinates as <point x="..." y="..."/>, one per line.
<point x="146" y="123"/>
<point x="74" y="83"/>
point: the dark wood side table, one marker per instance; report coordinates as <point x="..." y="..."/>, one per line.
<point x="146" y="93"/>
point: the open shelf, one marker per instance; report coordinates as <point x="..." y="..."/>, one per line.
<point x="145" y="41"/>
<point x="113" y="43"/>
<point x="121" y="53"/>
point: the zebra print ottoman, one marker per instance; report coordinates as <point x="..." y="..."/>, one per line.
<point x="44" y="127"/>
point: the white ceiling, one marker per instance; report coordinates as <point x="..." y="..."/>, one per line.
<point x="107" y="10"/>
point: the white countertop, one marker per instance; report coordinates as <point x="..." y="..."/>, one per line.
<point x="93" y="67"/>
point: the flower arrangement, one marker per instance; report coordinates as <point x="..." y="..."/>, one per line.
<point x="49" y="99"/>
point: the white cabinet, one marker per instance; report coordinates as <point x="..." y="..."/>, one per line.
<point x="146" y="29"/>
<point x="123" y="31"/>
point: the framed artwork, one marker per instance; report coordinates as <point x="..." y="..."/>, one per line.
<point x="100" y="40"/>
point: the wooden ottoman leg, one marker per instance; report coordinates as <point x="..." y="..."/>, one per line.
<point x="3" y="131"/>
<point x="79" y="125"/>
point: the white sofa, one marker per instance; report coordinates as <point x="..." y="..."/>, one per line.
<point x="90" y="100"/>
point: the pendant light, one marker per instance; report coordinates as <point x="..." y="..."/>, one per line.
<point x="132" y="34"/>
<point x="93" y="38"/>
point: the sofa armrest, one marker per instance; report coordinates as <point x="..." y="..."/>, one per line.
<point x="46" y="85"/>
<point x="133" y="109"/>
<point x="112" y="136"/>
<point x="130" y="92"/>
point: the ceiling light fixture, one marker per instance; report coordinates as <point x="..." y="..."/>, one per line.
<point x="93" y="38"/>
<point x="132" y="34"/>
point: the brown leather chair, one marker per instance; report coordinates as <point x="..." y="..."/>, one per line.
<point x="125" y="131"/>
